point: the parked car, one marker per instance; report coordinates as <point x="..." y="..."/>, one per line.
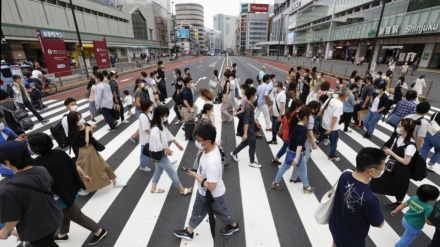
<point x="6" y="74"/>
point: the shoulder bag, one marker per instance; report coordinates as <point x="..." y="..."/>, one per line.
<point x="212" y="83"/>
<point x="156" y="156"/>
<point x="325" y="207"/>
<point x="434" y="128"/>
<point x="98" y="146"/>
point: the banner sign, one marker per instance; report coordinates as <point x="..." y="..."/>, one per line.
<point x="182" y="33"/>
<point x="54" y="53"/>
<point x="101" y="53"/>
<point x="290" y="38"/>
<point x="16" y="70"/>
<point x="262" y="8"/>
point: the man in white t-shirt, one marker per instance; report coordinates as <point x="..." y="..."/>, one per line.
<point x="37" y="74"/>
<point x="278" y="110"/>
<point x="330" y="120"/>
<point x="211" y="186"/>
<point x="144" y="131"/>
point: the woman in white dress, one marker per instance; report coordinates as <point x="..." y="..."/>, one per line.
<point x="419" y="84"/>
<point x="231" y="97"/>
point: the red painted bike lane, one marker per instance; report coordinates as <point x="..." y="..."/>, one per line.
<point x="124" y="80"/>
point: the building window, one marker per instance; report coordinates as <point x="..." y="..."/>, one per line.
<point x="139" y="25"/>
<point x="151" y="33"/>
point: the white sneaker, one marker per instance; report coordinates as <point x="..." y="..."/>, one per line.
<point x="326" y="142"/>
<point x="146" y="169"/>
<point x="125" y="121"/>
<point x="83" y="193"/>
<point x="234" y="157"/>
<point x="119" y="185"/>
<point x="430" y="167"/>
<point x="255" y="165"/>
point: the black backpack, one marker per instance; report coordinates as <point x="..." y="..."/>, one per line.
<point x="434" y="216"/>
<point x="21" y="117"/>
<point x="418" y="167"/>
<point x="59" y="135"/>
<point x="9" y="91"/>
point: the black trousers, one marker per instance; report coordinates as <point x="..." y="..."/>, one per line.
<point x="44" y="242"/>
<point x="240" y="126"/>
<point x="346" y="119"/>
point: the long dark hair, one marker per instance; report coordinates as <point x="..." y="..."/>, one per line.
<point x="353" y="74"/>
<point x="296" y="104"/>
<point x="72" y="120"/>
<point x="409" y="125"/>
<point x="303" y="112"/>
<point x="159" y="112"/>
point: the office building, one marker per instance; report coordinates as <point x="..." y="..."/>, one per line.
<point x="227" y="24"/>
<point x="192" y="15"/>
<point x="213" y="41"/>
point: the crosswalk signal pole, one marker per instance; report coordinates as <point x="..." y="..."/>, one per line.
<point x="79" y="39"/>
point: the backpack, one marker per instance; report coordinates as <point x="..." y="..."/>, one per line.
<point x="21" y="117"/>
<point x="9" y="91"/>
<point x="59" y="135"/>
<point x="434" y="216"/>
<point x="417" y="167"/>
<point x="387" y="107"/>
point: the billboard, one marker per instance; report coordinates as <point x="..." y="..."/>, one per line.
<point x="290" y="38"/>
<point x="101" y="53"/>
<point x="54" y="52"/>
<point x="182" y="33"/>
<point x="245" y="8"/>
<point x="262" y="8"/>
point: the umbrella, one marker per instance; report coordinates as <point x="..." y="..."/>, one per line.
<point x="209" y="200"/>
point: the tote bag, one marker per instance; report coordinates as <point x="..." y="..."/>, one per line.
<point x="325" y="207"/>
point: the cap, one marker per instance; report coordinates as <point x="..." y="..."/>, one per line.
<point x="16" y="77"/>
<point x="12" y="150"/>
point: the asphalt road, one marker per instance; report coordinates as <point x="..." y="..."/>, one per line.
<point x="135" y="217"/>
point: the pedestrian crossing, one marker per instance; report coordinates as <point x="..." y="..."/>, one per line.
<point x="134" y="216"/>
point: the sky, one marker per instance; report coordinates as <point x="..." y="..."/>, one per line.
<point x="226" y="7"/>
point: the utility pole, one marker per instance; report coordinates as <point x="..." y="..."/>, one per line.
<point x="79" y="38"/>
<point x="279" y="37"/>
<point x="375" y="37"/>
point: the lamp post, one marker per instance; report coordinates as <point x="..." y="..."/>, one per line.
<point x="79" y="39"/>
<point x="375" y="37"/>
<point x="279" y="37"/>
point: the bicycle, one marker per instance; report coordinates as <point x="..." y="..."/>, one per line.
<point x="48" y="87"/>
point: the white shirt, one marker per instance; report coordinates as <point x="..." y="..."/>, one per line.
<point x="420" y="130"/>
<point x="334" y="109"/>
<point x="65" y="124"/>
<point x="36" y="73"/>
<point x="144" y="124"/>
<point x="128" y="100"/>
<point x="410" y="150"/>
<point x="279" y="98"/>
<point x="269" y="90"/>
<point x="210" y="167"/>
<point x="375" y="104"/>
<point x="104" y="96"/>
<point x="159" y="139"/>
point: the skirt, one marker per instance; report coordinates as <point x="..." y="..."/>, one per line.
<point x="92" y="108"/>
<point x="95" y="167"/>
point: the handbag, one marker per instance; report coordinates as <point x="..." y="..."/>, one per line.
<point x="98" y="146"/>
<point x="325" y="207"/>
<point x="291" y="155"/>
<point x="212" y="83"/>
<point x="433" y="127"/>
<point x="393" y="120"/>
<point x="156" y="156"/>
<point x="362" y="114"/>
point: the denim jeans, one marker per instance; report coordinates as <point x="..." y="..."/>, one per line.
<point x="431" y="141"/>
<point x="283" y="149"/>
<point x="108" y="117"/>
<point x="137" y="112"/>
<point x="162" y="165"/>
<point x="307" y="153"/>
<point x="370" y="121"/>
<point x="408" y="236"/>
<point x="302" y="171"/>
<point x="275" y="127"/>
<point x="334" y="136"/>
<point x="144" y="160"/>
<point x="176" y="110"/>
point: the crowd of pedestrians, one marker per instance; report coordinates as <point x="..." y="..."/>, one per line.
<point x="302" y="112"/>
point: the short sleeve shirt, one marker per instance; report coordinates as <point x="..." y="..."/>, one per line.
<point x="249" y="117"/>
<point x="367" y="91"/>
<point x="410" y="150"/>
<point x="261" y="92"/>
<point x="417" y="212"/>
<point x="188" y="96"/>
<point x="279" y="98"/>
<point x="114" y="87"/>
<point x="138" y="94"/>
<point x="420" y="130"/>
<point x="144" y="124"/>
<point x="211" y="168"/>
<point x="334" y="109"/>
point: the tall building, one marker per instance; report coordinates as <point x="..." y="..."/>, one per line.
<point x="213" y="40"/>
<point x="254" y="26"/>
<point x="227" y="24"/>
<point x="192" y="14"/>
<point x="340" y="29"/>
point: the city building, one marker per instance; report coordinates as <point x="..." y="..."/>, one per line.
<point x="254" y="26"/>
<point x="128" y="26"/>
<point x="227" y="24"/>
<point x="191" y="15"/>
<point x="340" y="29"/>
<point x="213" y="41"/>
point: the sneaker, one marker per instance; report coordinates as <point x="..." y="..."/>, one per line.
<point x="83" y="193"/>
<point x="93" y="120"/>
<point x="58" y="239"/>
<point x="145" y="169"/>
<point x="366" y="135"/>
<point x="184" y="234"/>
<point x="125" y="121"/>
<point x="276" y="186"/>
<point x="179" y="122"/>
<point x="119" y="185"/>
<point x="308" y="189"/>
<point x="326" y="142"/>
<point x="96" y="239"/>
<point x="275" y="162"/>
<point x="234" y="156"/>
<point x="112" y="129"/>
<point x="297" y="180"/>
<point x="229" y="229"/>
<point x="273" y="142"/>
<point x="44" y="122"/>
<point x="133" y="139"/>
<point x="430" y="167"/>
<point x="255" y="165"/>
<point x="335" y="159"/>
<point x="348" y="131"/>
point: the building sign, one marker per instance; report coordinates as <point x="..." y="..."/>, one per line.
<point x="372" y="33"/>
<point x="389" y="30"/>
<point x="317" y="39"/>
<point x="290" y="38"/>
<point x="55" y="54"/>
<point x="245" y="8"/>
<point x="425" y="56"/>
<point x="196" y="33"/>
<point x="101" y="53"/>
<point x="51" y="34"/>
<point x="16" y="70"/>
<point x="258" y="8"/>
<point x="111" y="3"/>
<point x="421" y="28"/>
<point x="182" y="33"/>
<point x="294" y="6"/>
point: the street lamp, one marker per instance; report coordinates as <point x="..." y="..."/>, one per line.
<point x="279" y="41"/>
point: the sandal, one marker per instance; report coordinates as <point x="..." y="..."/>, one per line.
<point x="309" y="189"/>
<point x="276" y="186"/>
<point x="186" y="191"/>
<point x="158" y="191"/>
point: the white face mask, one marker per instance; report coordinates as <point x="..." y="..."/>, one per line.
<point x="80" y="122"/>
<point x="379" y="174"/>
<point x="2" y="126"/>
<point x="74" y="108"/>
<point x="199" y="145"/>
<point x="398" y="131"/>
<point x="142" y="84"/>
<point x="165" y="119"/>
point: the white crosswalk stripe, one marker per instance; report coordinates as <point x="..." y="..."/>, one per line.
<point x="257" y="218"/>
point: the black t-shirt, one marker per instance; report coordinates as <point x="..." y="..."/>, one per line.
<point x="114" y="87"/>
<point x="307" y="79"/>
<point x="161" y="74"/>
<point x="188" y="96"/>
<point x="39" y="214"/>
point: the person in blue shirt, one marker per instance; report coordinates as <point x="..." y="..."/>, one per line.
<point x="7" y="134"/>
<point x="417" y="214"/>
<point x="355" y="206"/>
<point x="263" y="98"/>
<point x="348" y="108"/>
